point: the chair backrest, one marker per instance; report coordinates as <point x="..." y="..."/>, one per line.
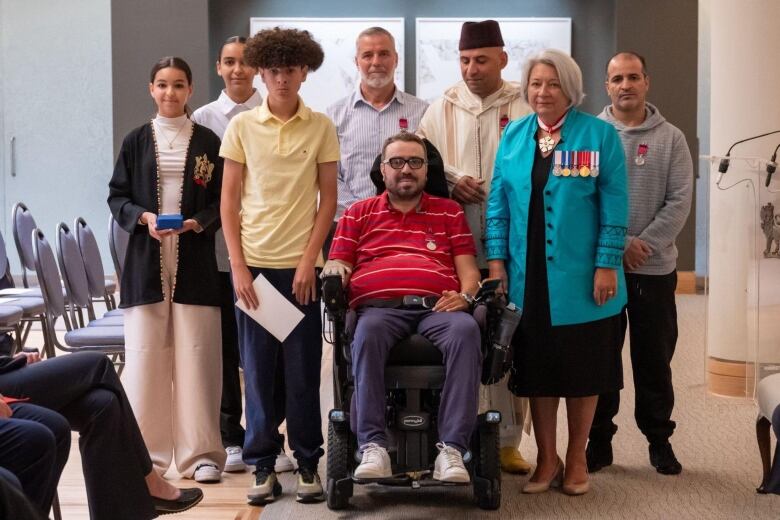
<point x="117" y="242"/>
<point x="23" y="227"/>
<point x="72" y="267"/>
<point x="48" y="275"/>
<point x="90" y="254"/>
<point x="5" y="269"/>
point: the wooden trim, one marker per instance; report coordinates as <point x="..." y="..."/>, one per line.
<point x="686" y="282"/>
<point x="730" y="378"/>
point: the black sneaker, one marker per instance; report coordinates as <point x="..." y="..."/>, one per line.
<point x="663" y="459"/>
<point x="598" y="455"/>
<point x="265" y="487"/>
<point x="309" y="486"/>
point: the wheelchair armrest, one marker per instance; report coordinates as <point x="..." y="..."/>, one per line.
<point x="334" y="296"/>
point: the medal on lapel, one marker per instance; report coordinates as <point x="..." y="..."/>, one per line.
<point x="565" y="167"/>
<point x="557" y="158"/>
<point x="575" y="167"/>
<point x="594" y="161"/>
<point x="585" y="166"/>
<point x="403" y="124"/>
<point x="641" y="153"/>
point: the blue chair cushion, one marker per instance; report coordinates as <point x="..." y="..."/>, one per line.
<point x="96" y="336"/>
<point x="10" y="315"/>
<point x="111" y="321"/>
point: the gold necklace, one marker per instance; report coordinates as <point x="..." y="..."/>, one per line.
<point x="171" y="141"/>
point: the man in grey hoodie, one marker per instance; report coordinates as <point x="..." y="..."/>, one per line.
<point x="660" y="172"/>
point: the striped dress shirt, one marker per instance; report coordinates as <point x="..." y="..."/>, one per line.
<point x="362" y="129"/>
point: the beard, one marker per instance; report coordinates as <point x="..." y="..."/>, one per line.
<point x="376" y="80"/>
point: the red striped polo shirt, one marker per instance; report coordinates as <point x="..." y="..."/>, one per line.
<point x="394" y="253"/>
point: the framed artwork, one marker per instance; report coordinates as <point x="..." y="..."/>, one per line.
<point x="437" y="59"/>
<point x="338" y="75"/>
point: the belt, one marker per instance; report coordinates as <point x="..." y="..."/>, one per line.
<point x="407" y="301"/>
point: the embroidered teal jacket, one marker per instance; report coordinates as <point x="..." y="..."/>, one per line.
<point x="585" y="216"/>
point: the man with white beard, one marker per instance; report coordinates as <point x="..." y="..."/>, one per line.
<point x="376" y="110"/>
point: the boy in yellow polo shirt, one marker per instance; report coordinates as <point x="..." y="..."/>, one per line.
<point x="280" y="158"/>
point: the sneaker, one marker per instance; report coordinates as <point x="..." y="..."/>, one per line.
<point x="265" y="488"/>
<point x="663" y="459"/>
<point x="449" y="465"/>
<point x="512" y="461"/>
<point x="205" y="473"/>
<point x="234" y="461"/>
<point x="375" y="463"/>
<point x="598" y="455"/>
<point x="309" y="486"/>
<point x="283" y="463"/>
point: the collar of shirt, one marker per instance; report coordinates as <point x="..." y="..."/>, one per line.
<point x="227" y="105"/>
<point x="265" y="114"/>
<point x="421" y="206"/>
<point x="357" y="97"/>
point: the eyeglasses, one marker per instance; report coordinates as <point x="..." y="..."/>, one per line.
<point x="397" y="163"/>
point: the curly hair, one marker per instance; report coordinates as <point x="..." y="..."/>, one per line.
<point x="280" y="47"/>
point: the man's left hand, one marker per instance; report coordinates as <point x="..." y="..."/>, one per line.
<point x="32" y="357"/>
<point x="451" y="301"/>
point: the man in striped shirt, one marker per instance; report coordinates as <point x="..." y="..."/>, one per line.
<point x="376" y="110"/>
<point x="410" y="261"/>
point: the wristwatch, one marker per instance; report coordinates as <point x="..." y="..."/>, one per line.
<point x="469" y="298"/>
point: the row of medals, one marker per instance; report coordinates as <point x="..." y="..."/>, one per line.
<point x="590" y="167"/>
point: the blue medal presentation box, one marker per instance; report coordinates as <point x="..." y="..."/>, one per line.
<point x="170" y="222"/>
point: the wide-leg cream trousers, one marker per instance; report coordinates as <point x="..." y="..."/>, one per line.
<point x="173" y="377"/>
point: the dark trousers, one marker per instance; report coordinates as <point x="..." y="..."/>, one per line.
<point x="231" y="407"/>
<point x="300" y="356"/>
<point x="652" y="315"/>
<point x="85" y="390"/>
<point x="455" y="334"/>
<point x="329" y="240"/>
<point x="34" y="446"/>
<point x="13" y="502"/>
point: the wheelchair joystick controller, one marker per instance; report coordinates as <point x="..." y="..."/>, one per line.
<point x="499" y="356"/>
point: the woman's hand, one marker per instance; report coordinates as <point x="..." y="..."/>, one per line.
<point x="604" y="285"/>
<point x="5" y="410"/>
<point x="242" y="285"/>
<point x="188" y="225"/>
<point x="32" y="357"/>
<point x="304" y="283"/>
<point x="451" y="301"/>
<point x="150" y="219"/>
<point x="496" y="269"/>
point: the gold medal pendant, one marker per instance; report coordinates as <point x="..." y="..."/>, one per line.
<point x="584" y="171"/>
<point x="565" y="172"/>
<point x="546" y="144"/>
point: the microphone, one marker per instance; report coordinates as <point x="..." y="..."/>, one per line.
<point x="724" y="163"/>
<point x="771" y="167"/>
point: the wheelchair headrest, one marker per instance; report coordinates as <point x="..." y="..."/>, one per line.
<point x="437" y="182"/>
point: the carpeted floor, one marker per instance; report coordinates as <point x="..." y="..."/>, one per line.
<point x="714" y="440"/>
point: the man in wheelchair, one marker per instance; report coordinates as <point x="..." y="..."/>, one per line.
<point x="408" y="260"/>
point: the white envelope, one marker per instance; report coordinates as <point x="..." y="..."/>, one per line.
<point x="276" y="314"/>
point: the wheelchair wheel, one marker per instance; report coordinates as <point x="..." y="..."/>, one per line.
<point x="339" y="483"/>
<point x="487" y="470"/>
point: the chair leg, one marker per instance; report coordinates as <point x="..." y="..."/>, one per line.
<point x="764" y="448"/>
<point x="18" y="343"/>
<point x="55" y="507"/>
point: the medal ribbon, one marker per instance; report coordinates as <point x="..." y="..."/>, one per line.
<point x="555" y="126"/>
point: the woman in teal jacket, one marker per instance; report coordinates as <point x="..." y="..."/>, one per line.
<point x="556" y="220"/>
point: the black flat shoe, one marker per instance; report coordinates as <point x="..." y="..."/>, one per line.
<point x="189" y="498"/>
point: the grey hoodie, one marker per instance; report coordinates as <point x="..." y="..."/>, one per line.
<point x="659" y="190"/>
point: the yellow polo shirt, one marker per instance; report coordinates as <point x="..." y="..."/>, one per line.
<point x="279" y="189"/>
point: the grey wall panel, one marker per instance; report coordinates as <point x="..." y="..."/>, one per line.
<point x="665" y="32"/>
<point x="143" y="31"/>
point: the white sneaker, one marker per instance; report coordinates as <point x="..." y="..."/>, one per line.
<point x="375" y="463"/>
<point x="283" y="463"/>
<point x="234" y="461"/>
<point x="207" y="473"/>
<point x="449" y="465"/>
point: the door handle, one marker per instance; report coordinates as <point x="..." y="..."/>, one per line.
<point x="13" y="156"/>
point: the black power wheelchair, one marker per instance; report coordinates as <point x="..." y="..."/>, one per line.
<point x="414" y="378"/>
